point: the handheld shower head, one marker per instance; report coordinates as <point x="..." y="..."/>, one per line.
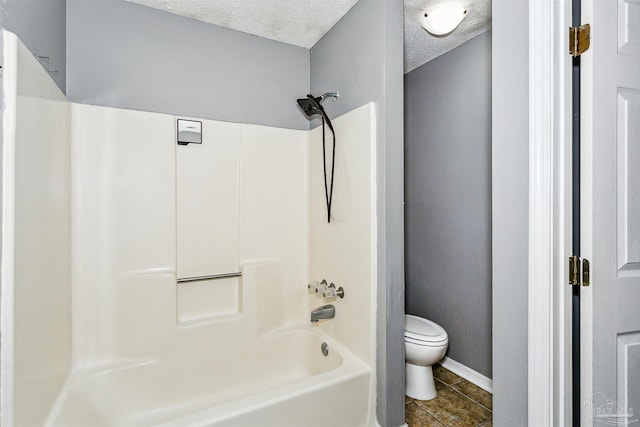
<point x="310" y="106"/>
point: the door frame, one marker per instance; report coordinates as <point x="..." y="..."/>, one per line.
<point x="549" y="300"/>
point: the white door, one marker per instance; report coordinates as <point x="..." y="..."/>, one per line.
<point x="611" y="213"/>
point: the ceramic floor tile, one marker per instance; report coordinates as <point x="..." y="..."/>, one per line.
<point x="474" y="392"/>
<point x="455" y="410"/>
<point x="488" y="424"/>
<point x="440" y="385"/>
<point x="407" y="399"/>
<point x="415" y="416"/>
<point x="445" y="375"/>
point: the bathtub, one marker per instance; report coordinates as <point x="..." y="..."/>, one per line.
<point x="283" y="379"/>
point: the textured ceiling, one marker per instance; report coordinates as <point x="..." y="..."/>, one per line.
<point x="421" y="47"/>
<point x="297" y="22"/>
<point x="304" y="22"/>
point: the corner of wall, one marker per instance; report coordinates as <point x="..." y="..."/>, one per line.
<point x="37" y="169"/>
<point x="510" y="209"/>
<point x="368" y="42"/>
<point x="41" y="26"/>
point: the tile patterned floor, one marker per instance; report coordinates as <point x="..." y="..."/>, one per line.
<point x="459" y="404"/>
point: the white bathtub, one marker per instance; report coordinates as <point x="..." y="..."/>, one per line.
<point x="283" y="379"/>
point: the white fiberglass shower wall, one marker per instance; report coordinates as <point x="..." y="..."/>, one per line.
<point x="36" y="239"/>
<point x="103" y="213"/>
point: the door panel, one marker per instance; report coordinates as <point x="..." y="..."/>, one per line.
<point x="628" y="374"/>
<point x="612" y="129"/>
<point x="628" y="142"/>
<point x="629" y="27"/>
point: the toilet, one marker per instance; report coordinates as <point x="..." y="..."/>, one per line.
<point x="425" y="343"/>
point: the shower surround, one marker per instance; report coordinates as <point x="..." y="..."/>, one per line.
<point x="103" y="212"/>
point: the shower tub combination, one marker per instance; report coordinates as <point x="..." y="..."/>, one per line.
<point x="109" y="330"/>
<point x="282" y="380"/>
<point x="239" y="369"/>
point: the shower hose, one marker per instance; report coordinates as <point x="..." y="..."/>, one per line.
<point x="328" y="188"/>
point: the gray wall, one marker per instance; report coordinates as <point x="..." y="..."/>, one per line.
<point x="40" y="24"/>
<point x="125" y="55"/>
<point x="510" y="169"/>
<point x="448" y="198"/>
<point x="361" y="57"/>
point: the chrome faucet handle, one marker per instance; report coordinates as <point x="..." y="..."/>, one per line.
<point x="331" y="292"/>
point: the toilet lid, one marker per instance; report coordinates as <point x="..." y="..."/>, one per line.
<point x="419" y="329"/>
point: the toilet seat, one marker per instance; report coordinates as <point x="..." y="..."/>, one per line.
<point x="423" y="332"/>
<point x="426" y="343"/>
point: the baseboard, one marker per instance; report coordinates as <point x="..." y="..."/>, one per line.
<point x="401" y="425"/>
<point x="468" y="374"/>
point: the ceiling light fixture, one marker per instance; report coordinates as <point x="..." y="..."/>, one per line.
<point x="443" y="19"/>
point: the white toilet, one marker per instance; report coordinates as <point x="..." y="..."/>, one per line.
<point x="425" y="343"/>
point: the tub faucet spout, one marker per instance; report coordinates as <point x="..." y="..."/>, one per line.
<point x="325" y="312"/>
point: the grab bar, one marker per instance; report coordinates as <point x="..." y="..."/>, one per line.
<point x="212" y="277"/>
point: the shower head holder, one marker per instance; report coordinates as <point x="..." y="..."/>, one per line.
<point x="332" y="95"/>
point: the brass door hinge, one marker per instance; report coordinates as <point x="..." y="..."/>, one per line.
<point x="586" y="273"/>
<point x="579" y="39"/>
<point x="575" y="270"/>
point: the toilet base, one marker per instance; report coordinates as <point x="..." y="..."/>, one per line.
<point x="419" y="382"/>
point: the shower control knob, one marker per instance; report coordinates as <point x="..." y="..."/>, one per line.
<point x="332" y="292"/>
<point x="322" y="287"/>
<point x="317" y="286"/>
<point x="312" y="286"/>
